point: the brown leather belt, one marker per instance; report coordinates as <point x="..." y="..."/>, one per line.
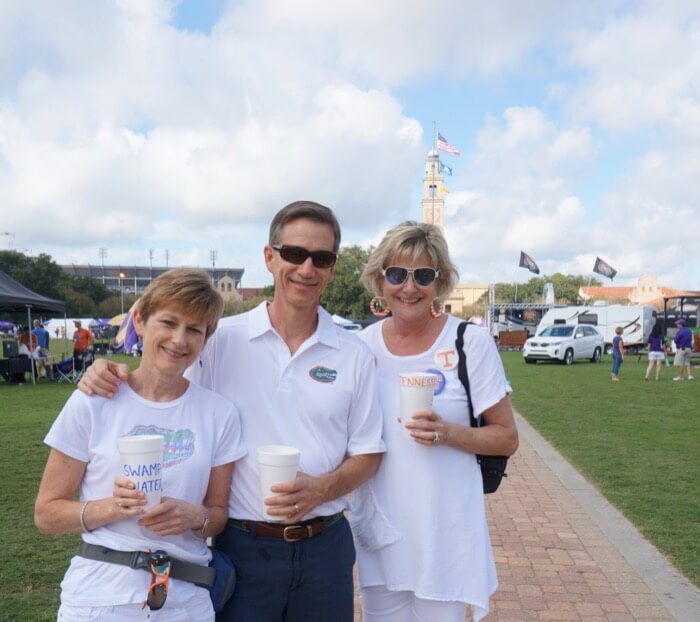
<point x="289" y="533"/>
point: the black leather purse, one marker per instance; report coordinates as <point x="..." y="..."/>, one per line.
<point x="493" y="468"/>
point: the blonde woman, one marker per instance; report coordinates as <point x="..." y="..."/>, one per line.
<point x="420" y="527"/>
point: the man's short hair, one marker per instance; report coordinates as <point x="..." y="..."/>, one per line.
<point x="304" y="209"/>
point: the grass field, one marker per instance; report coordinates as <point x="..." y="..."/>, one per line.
<point x="636" y="441"/>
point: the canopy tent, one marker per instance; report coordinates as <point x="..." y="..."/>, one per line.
<point x="17" y="298"/>
<point x="126" y="338"/>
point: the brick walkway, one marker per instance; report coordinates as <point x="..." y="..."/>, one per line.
<point x="555" y="563"/>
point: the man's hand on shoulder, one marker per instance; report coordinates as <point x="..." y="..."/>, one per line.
<point x="103" y="378"/>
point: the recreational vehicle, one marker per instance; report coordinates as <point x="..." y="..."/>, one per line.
<point x="636" y="321"/>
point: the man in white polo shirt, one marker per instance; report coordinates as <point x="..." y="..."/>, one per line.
<point x="297" y="379"/>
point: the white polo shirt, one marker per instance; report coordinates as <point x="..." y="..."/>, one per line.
<point x="321" y="400"/>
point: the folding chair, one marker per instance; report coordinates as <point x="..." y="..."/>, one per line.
<point x="63" y="370"/>
<point x="83" y="360"/>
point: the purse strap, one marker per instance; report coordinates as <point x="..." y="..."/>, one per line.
<point x="462" y="371"/>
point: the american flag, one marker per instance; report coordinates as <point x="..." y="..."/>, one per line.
<point x="443" y="145"/>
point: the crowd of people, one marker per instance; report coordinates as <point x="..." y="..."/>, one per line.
<point x="657" y="351"/>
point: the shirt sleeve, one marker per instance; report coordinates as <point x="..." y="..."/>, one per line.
<point x="365" y="420"/>
<point x="230" y="446"/>
<point x="70" y="432"/>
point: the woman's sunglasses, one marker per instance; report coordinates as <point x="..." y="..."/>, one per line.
<point x="298" y="255"/>
<point x="421" y="276"/>
<point x="159" y="565"/>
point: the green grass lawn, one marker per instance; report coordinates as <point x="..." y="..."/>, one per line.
<point x="634" y="440"/>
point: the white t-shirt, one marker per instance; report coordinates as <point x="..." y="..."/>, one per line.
<point x="321" y="400"/>
<point x="419" y="522"/>
<point x="202" y="430"/>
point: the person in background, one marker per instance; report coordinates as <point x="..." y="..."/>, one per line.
<point x="42" y="336"/>
<point x="82" y="345"/>
<point x="420" y="528"/>
<point x="657" y="353"/>
<point x="26" y="342"/>
<point x="618" y="354"/>
<point x="297" y="379"/>
<point x="42" y="351"/>
<point x="176" y="316"/>
<point x="684" y="345"/>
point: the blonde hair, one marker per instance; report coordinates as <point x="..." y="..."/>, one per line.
<point x="186" y="289"/>
<point x="410" y="240"/>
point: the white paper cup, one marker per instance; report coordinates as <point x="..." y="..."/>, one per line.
<point x="416" y="390"/>
<point x="141" y="460"/>
<point x="276" y="464"/>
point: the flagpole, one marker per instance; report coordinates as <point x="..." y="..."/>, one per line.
<point x="433" y="188"/>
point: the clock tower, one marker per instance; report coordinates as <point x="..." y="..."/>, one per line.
<point x="433" y="190"/>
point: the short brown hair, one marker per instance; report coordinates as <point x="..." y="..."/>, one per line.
<point x="304" y="209"/>
<point x="411" y="239"/>
<point x="187" y="289"/>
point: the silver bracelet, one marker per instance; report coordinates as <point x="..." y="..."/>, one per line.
<point x="202" y="530"/>
<point x="83" y="526"/>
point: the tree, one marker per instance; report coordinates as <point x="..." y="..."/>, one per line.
<point x="41" y="274"/>
<point x="234" y="307"/>
<point x="345" y="295"/>
<point x="566" y="289"/>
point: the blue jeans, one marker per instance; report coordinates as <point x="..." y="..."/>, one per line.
<point x="616" y="362"/>
<point x="277" y="581"/>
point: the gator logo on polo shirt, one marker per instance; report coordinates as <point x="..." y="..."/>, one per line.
<point x="323" y="374"/>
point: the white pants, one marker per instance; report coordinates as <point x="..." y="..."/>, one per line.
<point x="382" y="605"/>
<point x="193" y="612"/>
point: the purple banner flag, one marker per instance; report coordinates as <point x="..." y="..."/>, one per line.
<point x="528" y="262"/>
<point x="601" y="267"/>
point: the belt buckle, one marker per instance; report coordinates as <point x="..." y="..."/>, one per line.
<point x="139" y="559"/>
<point x="287" y="533"/>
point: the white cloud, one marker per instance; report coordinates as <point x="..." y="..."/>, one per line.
<point x="118" y="130"/>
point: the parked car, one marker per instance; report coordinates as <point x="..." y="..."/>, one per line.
<point x="565" y="343"/>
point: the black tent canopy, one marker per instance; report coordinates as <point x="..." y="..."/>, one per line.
<point x="17" y="298"/>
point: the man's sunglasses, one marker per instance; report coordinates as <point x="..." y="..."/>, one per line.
<point x="421" y="276"/>
<point x="159" y="564"/>
<point x="298" y="255"/>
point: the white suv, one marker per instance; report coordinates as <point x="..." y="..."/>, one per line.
<point x="566" y="343"/>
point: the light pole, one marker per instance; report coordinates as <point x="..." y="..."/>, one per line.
<point x="121" y="289"/>
<point x="103" y="254"/>
<point x="213" y="255"/>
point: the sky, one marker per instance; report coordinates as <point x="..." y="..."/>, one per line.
<point x="171" y="131"/>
